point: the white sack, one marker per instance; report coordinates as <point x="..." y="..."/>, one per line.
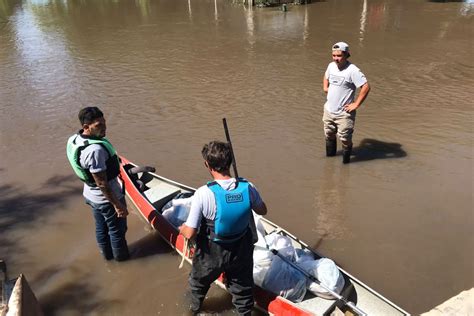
<point x="281" y="243"/>
<point x="284" y="280"/>
<point x="302" y="255"/>
<point x="262" y="260"/>
<point x="176" y="211"/>
<point x="326" y="271"/>
<point x="260" y="231"/>
<point x="262" y="257"/>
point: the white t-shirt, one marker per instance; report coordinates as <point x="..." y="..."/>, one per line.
<point x="342" y="86"/>
<point x="204" y="202"/>
<point x="93" y="158"/>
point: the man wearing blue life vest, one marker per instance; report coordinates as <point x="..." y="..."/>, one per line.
<point x="219" y="218"/>
<point x="95" y="162"/>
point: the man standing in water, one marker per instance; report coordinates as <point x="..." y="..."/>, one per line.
<point x="95" y="162"/>
<point x="340" y="82"/>
<point x="220" y="217"/>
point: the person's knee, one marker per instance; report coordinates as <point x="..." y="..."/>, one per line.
<point x="330" y="134"/>
<point x="346" y="143"/>
<point x="346" y="137"/>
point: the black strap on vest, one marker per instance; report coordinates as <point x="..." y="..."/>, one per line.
<point x="113" y="168"/>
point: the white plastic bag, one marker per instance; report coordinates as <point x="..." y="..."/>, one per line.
<point x="260" y="231"/>
<point x="262" y="257"/>
<point x="281" y="243"/>
<point x="302" y="255"/>
<point x="177" y="210"/>
<point x="326" y="271"/>
<point x="262" y="260"/>
<point x="284" y="280"/>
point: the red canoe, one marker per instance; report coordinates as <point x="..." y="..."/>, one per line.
<point x="149" y="192"/>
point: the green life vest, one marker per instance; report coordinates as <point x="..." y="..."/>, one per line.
<point x="77" y="143"/>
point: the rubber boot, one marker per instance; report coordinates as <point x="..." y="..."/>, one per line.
<point x="346" y="155"/>
<point x="331" y="147"/>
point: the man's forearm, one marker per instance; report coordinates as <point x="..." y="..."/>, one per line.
<point x="101" y="181"/>
<point x="109" y="195"/>
<point x="364" y="91"/>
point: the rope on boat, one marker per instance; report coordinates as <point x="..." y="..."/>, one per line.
<point x="184" y="252"/>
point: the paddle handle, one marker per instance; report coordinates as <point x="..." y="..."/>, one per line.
<point x="227" y="136"/>
<point x="312" y="278"/>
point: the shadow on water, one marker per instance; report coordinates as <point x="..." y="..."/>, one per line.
<point x="218" y="304"/>
<point x="150" y="245"/>
<point x="20" y="208"/>
<point x="370" y="149"/>
<point x="78" y="295"/>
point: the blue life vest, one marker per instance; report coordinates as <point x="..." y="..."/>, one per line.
<point x="233" y="211"/>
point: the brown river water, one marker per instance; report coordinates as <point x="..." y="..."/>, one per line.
<point x="165" y="72"/>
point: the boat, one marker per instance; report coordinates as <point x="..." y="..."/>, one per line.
<point x="17" y="298"/>
<point x="150" y="192"/>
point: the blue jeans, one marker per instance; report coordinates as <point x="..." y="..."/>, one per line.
<point x="110" y="231"/>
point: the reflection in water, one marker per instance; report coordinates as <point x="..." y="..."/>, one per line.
<point x="40" y="2"/>
<point x="363" y="21"/>
<point x="190" y="12"/>
<point x="250" y="27"/>
<point x="5" y="11"/>
<point x="144" y="6"/>
<point x="216" y="15"/>
<point x="42" y="52"/>
<point x="305" y="24"/>
<point x="377" y="16"/>
<point x="331" y="203"/>
<point x="467" y="8"/>
<point x="444" y="26"/>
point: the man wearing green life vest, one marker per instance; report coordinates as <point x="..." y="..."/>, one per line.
<point x="95" y="162"/>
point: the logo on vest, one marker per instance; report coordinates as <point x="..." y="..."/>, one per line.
<point x="234" y="198"/>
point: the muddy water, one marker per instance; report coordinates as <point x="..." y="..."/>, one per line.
<point x="400" y="217"/>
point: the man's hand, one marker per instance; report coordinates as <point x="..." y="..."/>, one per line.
<point x="187" y="232"/>
<point x="351" y="107"/>
<point x="364" y="91"/>
<point x="121" y="210"/>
